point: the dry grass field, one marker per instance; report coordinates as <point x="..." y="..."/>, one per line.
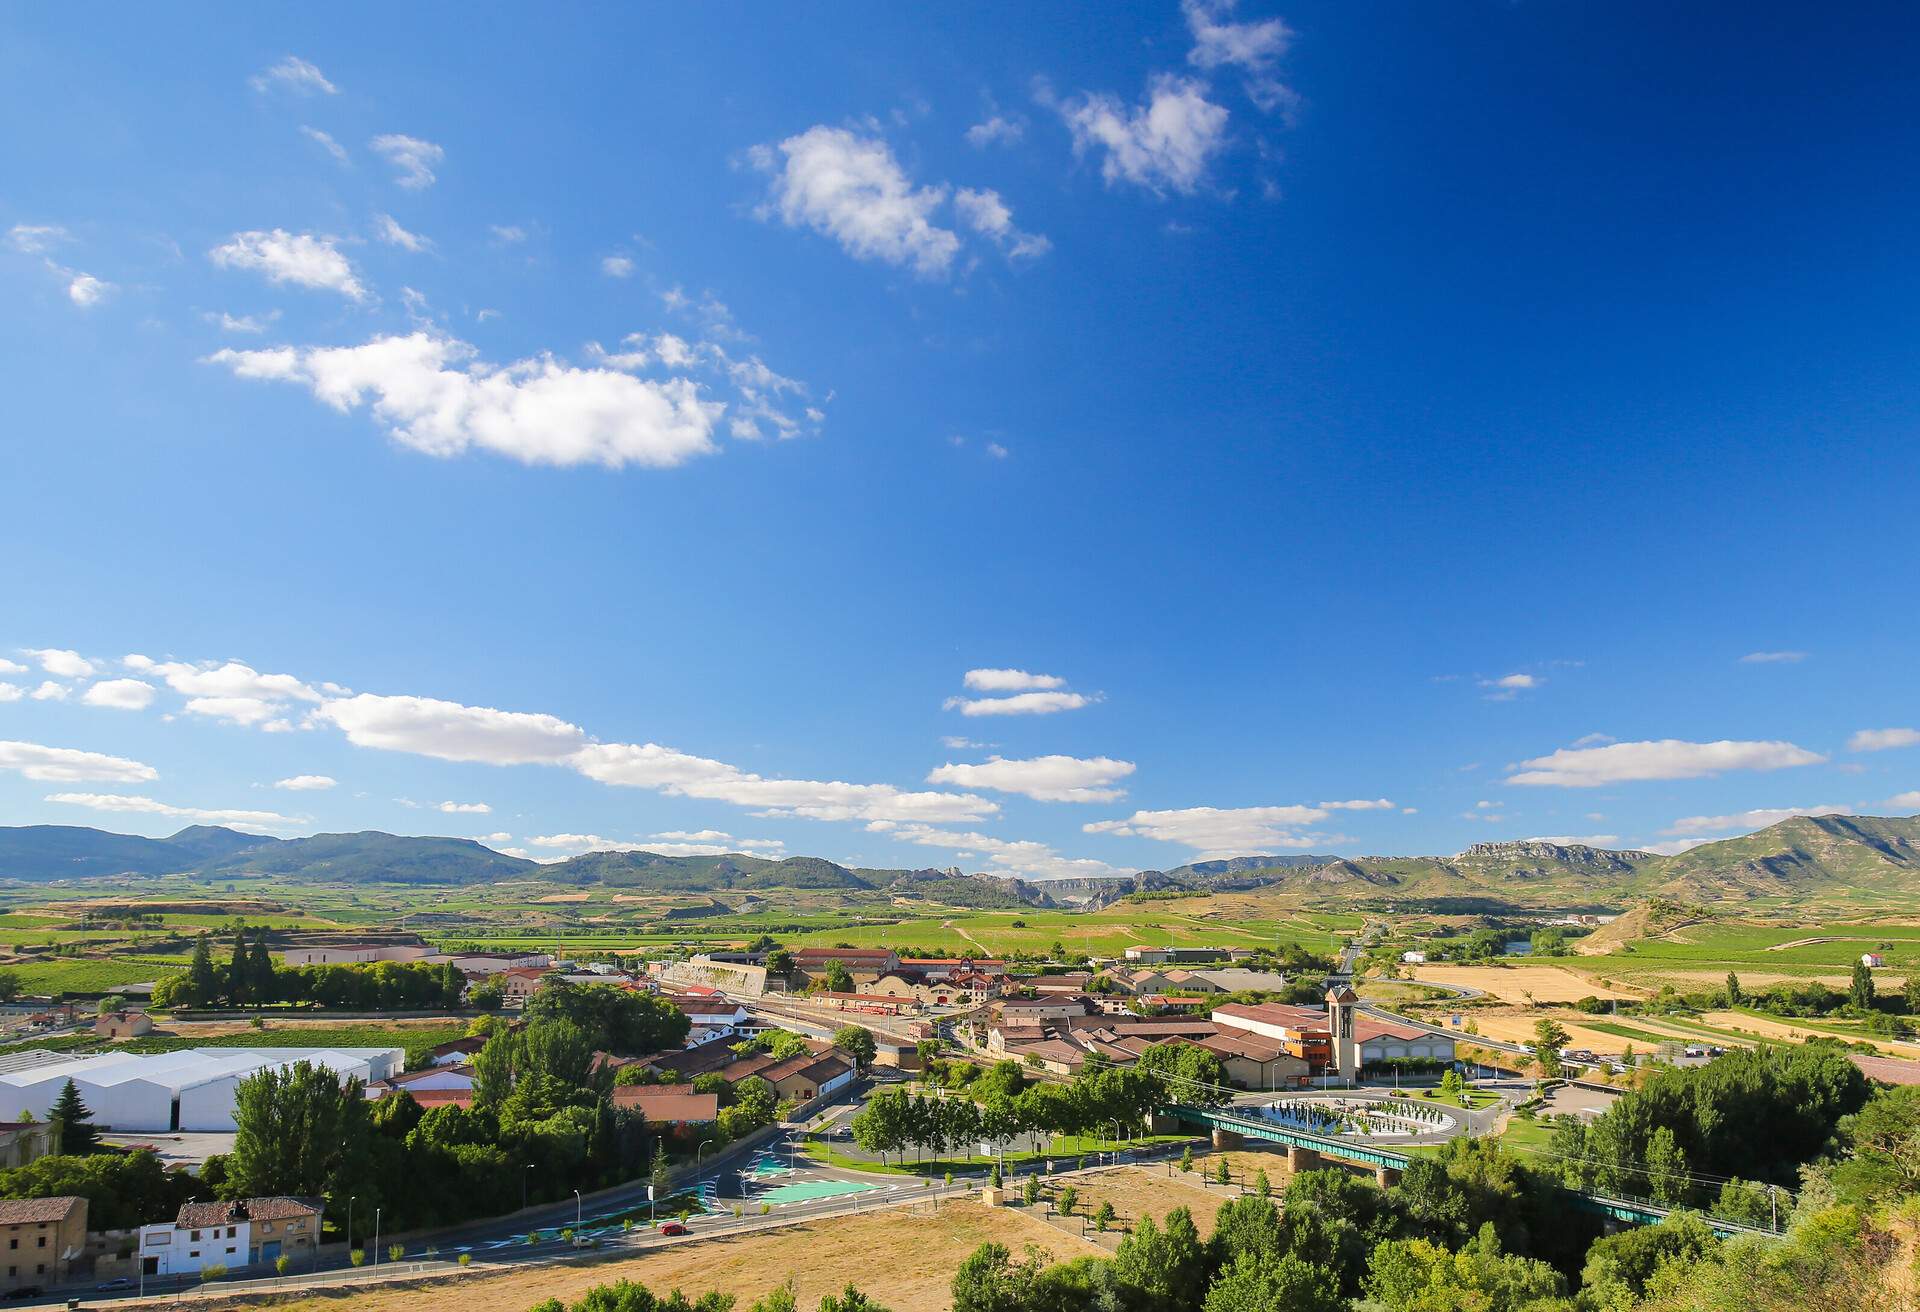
<point x="1514" y="983"/>
<point x="905" y="1259"/>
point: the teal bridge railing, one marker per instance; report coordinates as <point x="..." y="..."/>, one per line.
<point x="1627" y="1211"/>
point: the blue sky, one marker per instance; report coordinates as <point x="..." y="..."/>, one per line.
<point x="640" y="422"/>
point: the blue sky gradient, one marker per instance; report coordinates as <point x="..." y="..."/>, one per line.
<point x="1402" y="351"/>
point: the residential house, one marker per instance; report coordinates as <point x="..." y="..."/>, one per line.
<point x="1058" y="1006"/>
<point x="22" y="1142"/>
<point x="434" y="1079"/>
<point x="241" y="1232"/>
<point x="668" y="1106"/>
<point x="712" y="1017"/>
<point x="1073" y="981"/>
<point x="41" y="1238"/>
<point x="1872" y="960"/>
<point x="459" y="1052"/>
<point x="519" y="983"/>
<point x="122" y="1024"/>
<point x="865" y="965"/>
<point x="808" y="1076"/>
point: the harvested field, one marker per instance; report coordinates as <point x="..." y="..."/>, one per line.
<point x="1517" y="1027"/>
<point x="904" y="1259"/>
<point x="1513" y="983"/>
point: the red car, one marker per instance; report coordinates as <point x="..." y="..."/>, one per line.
<point x="672" y="1228"/>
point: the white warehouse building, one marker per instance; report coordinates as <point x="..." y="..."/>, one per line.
<point x="189" y="1089"/>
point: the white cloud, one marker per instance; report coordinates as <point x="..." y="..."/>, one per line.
<point x="985" y="213"/>
<point x="1577" y="840"/>
<point x="1165" y="143"/>
<point x="1879" y="740"/>
<point x="120" y="694"/>
<point x="66" y="765"/>
<point x="1905" y="801"/>
<point x="87" y="291"/>
<point x="851" y="188"/>
<point x="433" y="394"/>
<point x="617" y="266"/>
<point x="465" y="808"/>
<point x="11" y="692"/>
<point x="1773" y="658"/>
<point x="494" y="838"/>
<point x="228" y="323"/>
<point x="1361" y="804"/>
<point x="997" y="451"/>
<point x="1218" y="832"/>
<point x="388" y="230"/>
<point x="997" y="130"/>
<point x="448" y="731"/>
<point x="1043" y="778"/>
<point x="957" y="744"/>
<point x="307" y="783"/>
<point x="294" y="74"/>
<point x="128" y="805"/>
<point x="988" y="680"/>
<point x="1509" y="686"/>
<point x="1594" y="740"/>
<point x="677" y="774"/>
<point x="299" y="259"/>
<point x="414" y="158"/>
<point x="49" y="691"/>
<point x="36" y="238"/>
<point x="62" y="663"/>
<point x="11" y="667"/>
<point x="325" y="142"/>
<point x="1019" y="857"/>
<point x="1745" y="821"/>
<point x="508" y="234"/>
<point x="1253" y="47"/>
<point x="230" y="690"/>
<point x="1026" y="703"/>
<point x="1668" y="758"/>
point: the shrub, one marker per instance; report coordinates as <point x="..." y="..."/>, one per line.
<point x="395" y="1252"/>
<point x="282" y="1264"/>
<point x="466" y="1259"/>
<point x="358" y="1257"/>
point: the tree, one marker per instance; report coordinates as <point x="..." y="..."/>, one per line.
<point x="1860" y="992"/>
<point x="1103" y="1215"/>
<point x="1666" y="1167"/>
<point x="661" y="1178"/>
<point x="1267" y="1282"/>
<point x="299" y="1131"/>
<point x="202" y="980"/>
<point x="785" y="1044"/>
<point x="73" y="1123"/>
<point x="261" y="979"/>
<point x="1548" y="1038"/>
<point x="839" y="980"/>
<point x="239" y="989"/>
<point x="1069" y="1199"/>
<point x="1733" y="989"/>
<point x="856" y="1042"/>
<point x="1167" y="1264"/>
<point x="1418" y="1275"/>
<point x="9" y="985"/>
<point x="991" y="1281"/>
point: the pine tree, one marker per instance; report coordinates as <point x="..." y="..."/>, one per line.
<point x="260" y="981"/>
<point x="1666" y="1168"/>
<point x="1733" y="989"/>
<point x="203" y="981"/>
<point x="237" y="991"/>
<point x="73" y="1123"/>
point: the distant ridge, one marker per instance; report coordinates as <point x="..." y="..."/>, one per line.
<point x="1805" y="858"/>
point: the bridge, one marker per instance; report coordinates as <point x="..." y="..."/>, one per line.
<point x="1305" y="1150"/>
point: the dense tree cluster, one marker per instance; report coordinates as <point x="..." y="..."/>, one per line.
<point x="251" y="978"/>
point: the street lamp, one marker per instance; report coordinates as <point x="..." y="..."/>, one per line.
<point x="704" y="1144"/>
<point x="577" y="1204"/>
<point x="376" y="1236"/>
<point x="523" y="1187"/>
<point x="350" y="1198"/>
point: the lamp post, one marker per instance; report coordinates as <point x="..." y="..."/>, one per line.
<point x="578" y="1203"/>
<point x="523" y="1186"/>
<point x="350" y="1198"/>
<point x="376" y="1236"/>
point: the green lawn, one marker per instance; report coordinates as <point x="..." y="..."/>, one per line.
<point x="1065" y="1147"/>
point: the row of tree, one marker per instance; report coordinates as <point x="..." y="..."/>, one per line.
<point x="251" y="978"/>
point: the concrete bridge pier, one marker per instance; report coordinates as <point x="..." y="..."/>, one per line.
<point x="1158" y="1124"/>
<point x="1225" y="1140"/>
<point x="1302" y="1159"/>
<point x="1386" y="1176"/>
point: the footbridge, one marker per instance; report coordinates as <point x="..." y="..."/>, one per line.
<point x="1305" y="1151"/>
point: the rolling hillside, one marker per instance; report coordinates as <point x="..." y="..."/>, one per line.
<point x="1804" y="859"/>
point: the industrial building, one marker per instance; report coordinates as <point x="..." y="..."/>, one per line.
<point x="189" y="1089"/>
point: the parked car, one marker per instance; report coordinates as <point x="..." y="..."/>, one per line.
<point x="24" y="1292"/>
<point x="118" y="1282"/>
<point x="672" y="1228"/>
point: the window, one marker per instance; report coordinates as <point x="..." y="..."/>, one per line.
<point x="43" y="1241"/>
<point x="195" y="1236"/>
<point x="13" y="1243"/>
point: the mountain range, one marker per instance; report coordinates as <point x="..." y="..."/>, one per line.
<point x="1802" y="858"/>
